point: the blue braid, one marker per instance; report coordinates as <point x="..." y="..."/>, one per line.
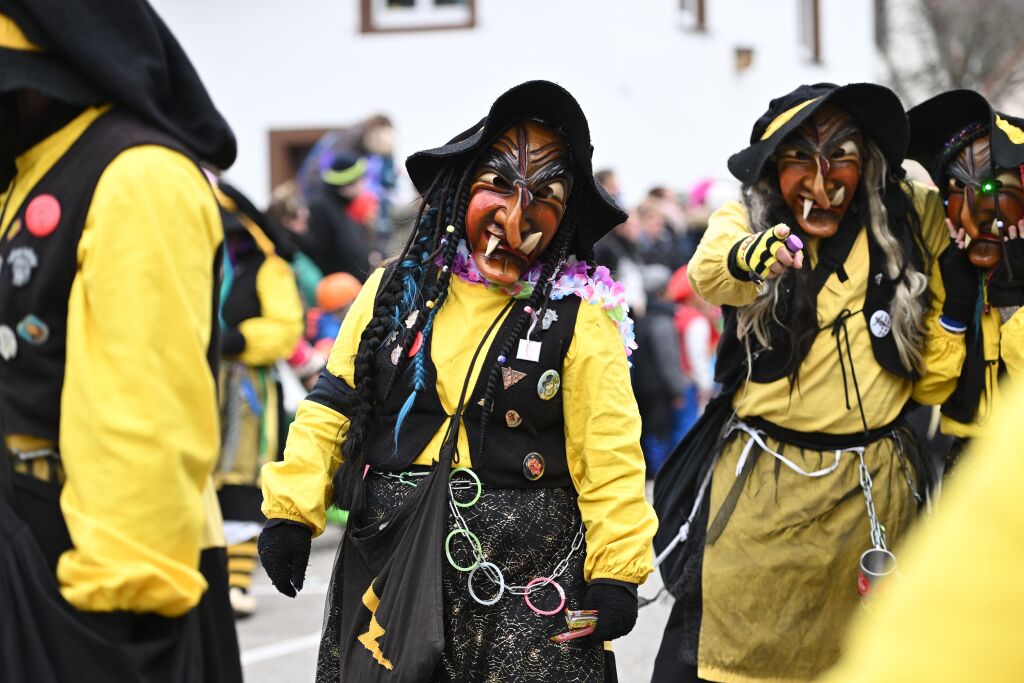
<point x="419" y="377"/>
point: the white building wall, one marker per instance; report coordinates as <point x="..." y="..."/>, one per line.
<point x="666" y="105"/>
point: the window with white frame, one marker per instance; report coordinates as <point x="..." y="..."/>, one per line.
<point x="810" y="29"/>
<point x="693" y="13"/>
<point x="416" y="15"/>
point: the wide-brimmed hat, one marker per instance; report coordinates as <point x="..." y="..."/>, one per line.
<point x="937" y="123"/>
<point x="876" y="109"/>
<point x="553" y="105"/>
<point x="117" y="51"/>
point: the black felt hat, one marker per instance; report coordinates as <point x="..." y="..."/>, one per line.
<point x="553" y="105"/>
<point x="83" y="52"/>
<point x="937" y="123"/>
<point x="876" y="109"/>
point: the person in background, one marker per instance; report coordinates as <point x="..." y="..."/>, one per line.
<point x="656" y="240"/>
<point x="112" y="551"/>
<point x="658" y="380"/>
<point x="262" y="318"/>
<point x="609" y="180"/>
<point x="618" y="251"/>
<point x="337" y="242"/>
<point x="697" y="324"/>
<point x="290" y="215"/>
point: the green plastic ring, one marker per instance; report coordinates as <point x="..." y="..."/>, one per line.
<point x="479" y="486"/>
<point x="448" y="550"/>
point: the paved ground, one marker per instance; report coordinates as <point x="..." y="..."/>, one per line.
<point x="279" y="643"/>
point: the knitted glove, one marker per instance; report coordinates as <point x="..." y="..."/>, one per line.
<point x="284" y="552"/>
<point x="616" y="610"/>
<point x="1006" y="288"/>
<point x="755" y="255"/>
<point x="960" y="280"/>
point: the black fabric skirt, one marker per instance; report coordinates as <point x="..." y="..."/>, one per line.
<point x="525" y="532"/>
<point x="43" y="639"/>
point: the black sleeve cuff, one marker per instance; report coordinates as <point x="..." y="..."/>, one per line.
<point x="734" y="269"/>
<point x="631" y="587"/>
<point x="271" y="523"/>
<point x="232" y="342"/>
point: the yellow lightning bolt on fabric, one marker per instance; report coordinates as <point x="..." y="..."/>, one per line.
<point x="369" y="639"/>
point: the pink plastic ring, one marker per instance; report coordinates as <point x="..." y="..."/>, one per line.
<point x="540" y="580"/>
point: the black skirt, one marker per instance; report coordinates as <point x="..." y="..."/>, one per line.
<point x="525" y="532"/>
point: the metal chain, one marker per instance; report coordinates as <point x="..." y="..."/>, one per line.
<point x="878" y="539"/>
<point x="493" y="573"/>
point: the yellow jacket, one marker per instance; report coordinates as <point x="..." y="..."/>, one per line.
<point x="138" y="431"/>
<point x="602" y="428"/>
<point x="947" y="352"/>
<point x="813" y="406"/>
<point x="955" y="613"/>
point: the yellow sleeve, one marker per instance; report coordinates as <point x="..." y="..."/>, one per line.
<point x="602" y="443"/>
<point x="298" y="487"/>
<point x="139" y="433"/>
<point x="1011" y="347"/>
<point x="709" y="268"/>
<point x="955" y="614"/>
<point x="273" y="334"/>
<point x="944" y="351"/>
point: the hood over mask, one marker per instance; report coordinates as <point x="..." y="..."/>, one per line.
<point x="85" y="53"/>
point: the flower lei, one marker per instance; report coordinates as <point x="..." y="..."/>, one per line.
<point x="573" y="278"/>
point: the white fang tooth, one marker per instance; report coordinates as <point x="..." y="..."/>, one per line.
<point x="808" y="203"/>
<point x="967" y="240"/>
<point x="492" y="244"/>
<point x="839" y="196"/>
<point x="530" y="243"/>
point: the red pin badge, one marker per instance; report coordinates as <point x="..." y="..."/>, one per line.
<point x="416" y="344"/>
<point x="42" y="215"/>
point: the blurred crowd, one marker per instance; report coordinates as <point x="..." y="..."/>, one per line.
<point x="676" y="330"/>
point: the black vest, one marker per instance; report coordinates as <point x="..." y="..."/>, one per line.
<point x="770" y="364"/>
<point x="525" y="443"/>
<point x="39" y="263"/>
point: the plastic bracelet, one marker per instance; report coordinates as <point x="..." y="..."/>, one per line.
<point x="479" y="487"/>
<point x="448" y="551"/>
<point x="501" y="584"/>
<point x="544" y="580"/>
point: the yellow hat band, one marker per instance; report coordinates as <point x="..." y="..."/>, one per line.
<point x="1015" y="134"/>
<point x="345" y="176"/>
<point x="12" y="37"/>
<point x="784" y="118"/>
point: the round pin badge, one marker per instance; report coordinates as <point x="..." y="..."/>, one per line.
<point x="533" y="466"/>
<point x="513" y="419"/>
<point x="548" y="384"/>
<point x="8" y="343"/>
<point x="880" y="323"/>
<point x="42" y="216"/>
<point x="33" y="330"/>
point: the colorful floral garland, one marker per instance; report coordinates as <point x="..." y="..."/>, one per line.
<point x="574" y="277"/>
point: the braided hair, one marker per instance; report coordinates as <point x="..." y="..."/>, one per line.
<point x="413" y="289"/>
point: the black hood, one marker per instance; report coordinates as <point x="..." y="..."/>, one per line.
<point x="117" y="51"/>
<point x="553" y="105"/>
<point x="876" y="109"/>
<point x="937" y="123"/>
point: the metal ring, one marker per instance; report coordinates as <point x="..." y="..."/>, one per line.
<point x="501" y="583"/>
<point x="448" y="551"/>
<point x="479" y="486"/>
<point x="544" y="580"/>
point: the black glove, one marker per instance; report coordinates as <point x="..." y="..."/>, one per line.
<point x="284" y="552"/>
<point x="232" y="342"/>
<point x="960" y="280"/>
<point x="1006" y="288"/>
<point x="616" y="607"/>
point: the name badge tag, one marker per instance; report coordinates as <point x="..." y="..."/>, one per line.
<point x="528" y="350"/>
